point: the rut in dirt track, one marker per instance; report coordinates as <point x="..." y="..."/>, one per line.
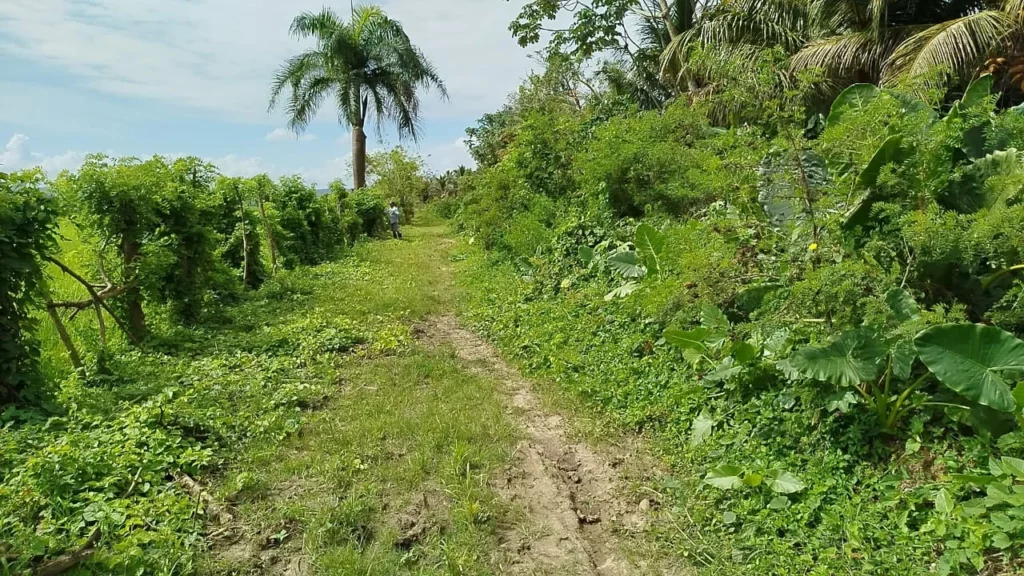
<point x="569" y="491"/>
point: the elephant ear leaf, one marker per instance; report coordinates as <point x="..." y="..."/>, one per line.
<point x="587" y="255"/>
<point x="978" y="91"/>
<point x="972" y="359"/>
<point x="853" y="99"/>
<point x="902" y="304"/>
<point x="891" y="151"/>
<point x="650" y="244"/>
<point x="856" y="356"/>
<point x="627" y="264"/>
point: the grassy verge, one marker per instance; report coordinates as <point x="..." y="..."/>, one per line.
<point x="391" y="477"/>
<point x="109" y="462"/>
<point x="864" y="502"/>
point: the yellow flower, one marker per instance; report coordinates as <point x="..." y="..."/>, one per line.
<point x="814" y="247"/>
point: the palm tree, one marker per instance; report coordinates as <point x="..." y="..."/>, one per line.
<point x="879" y="41"/>
<point x="367" y="65"/>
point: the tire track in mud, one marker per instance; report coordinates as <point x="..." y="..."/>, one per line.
<point x="569" y="491"/>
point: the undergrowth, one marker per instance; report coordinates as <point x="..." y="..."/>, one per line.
<point x="113" y="458"/>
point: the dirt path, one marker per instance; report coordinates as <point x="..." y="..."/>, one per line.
<point x="407" y="470"/>
<point x="569" y="491"/>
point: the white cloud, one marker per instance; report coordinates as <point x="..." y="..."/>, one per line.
<point x="248" y="166"/>
<point x="219" y="55"/>
<point x="11" y="157"/>
<point x="284" y="135"/>
<point x="53" y="165"/>
<point x="447" y="156"/>
<point x="17" y="155"/>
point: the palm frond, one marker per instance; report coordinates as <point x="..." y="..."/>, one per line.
<point x="958" y="46"/>
<point x="828" y="17"/>
<point x="847" y="54"/>
<point x="320" y="25"/>
<point x="306" y="101"/>
<point x="294" y="71"/>
<point x="1015" y="8"/>
<point x="879" y="11"/>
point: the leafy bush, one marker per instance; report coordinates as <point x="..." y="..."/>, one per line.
<point x="370" y="208"/>
<point x="395" y="176"/>
<point x="27" y="226"/>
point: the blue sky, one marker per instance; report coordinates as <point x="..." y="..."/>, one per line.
<point x="190" y="77"/>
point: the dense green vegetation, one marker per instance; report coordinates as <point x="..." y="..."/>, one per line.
<point x="782" y="239"/>
<point x="814" y="307"/>
<point x="138" y="354"/>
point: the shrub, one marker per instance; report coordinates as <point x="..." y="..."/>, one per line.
<point x="27" y="229"/>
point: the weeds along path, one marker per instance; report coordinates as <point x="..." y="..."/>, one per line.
<point x="434" y="457"/>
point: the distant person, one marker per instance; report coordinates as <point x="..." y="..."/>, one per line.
<point x="393" y="217"/>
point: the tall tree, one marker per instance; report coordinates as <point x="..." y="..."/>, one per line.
<point x="367" y="65"/>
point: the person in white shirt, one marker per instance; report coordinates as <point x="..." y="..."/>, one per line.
<point x="394" y="216"/>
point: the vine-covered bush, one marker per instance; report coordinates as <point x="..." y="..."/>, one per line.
<point x="311" y="226"/>
<point x="370" y="208"/>
<point x="28" y="220"/>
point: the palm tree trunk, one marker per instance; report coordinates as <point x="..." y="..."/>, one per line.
<point x="358" y="157"/>
<point x="666" y="15"/>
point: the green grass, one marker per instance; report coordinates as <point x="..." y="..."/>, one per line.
<point x="403" y="430"/>
<point x="405" y="427"/>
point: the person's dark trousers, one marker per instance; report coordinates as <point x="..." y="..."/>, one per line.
<point x="395" y="232"/>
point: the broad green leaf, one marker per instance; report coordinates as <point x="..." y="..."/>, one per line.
<point x="713" y="319"/>
<point x="902" y="304"/>
<point x="701" y="429"/>
<point x="1018" y="396"/>
<point x="627" y="264"/>
<point x="688" y="340"/>
<point x="587" y="255"/>
<point x="1014" y="466"/>
<point x="745" y="352"/>
<point x="753" y="480"/>
<point x="853" y="99"/>
<point x="890" y="152"/>
<point x="786" y="483"/>
<point x="911" y="104"/>
<point x="969" y="358"/>
<point x="996" y="468"/>
<point x="729" y="517"/>
<point x="973" y="479"/>
<point x="841" y="401"/>
<point x="725" y="477"/>
<point x="693" y="357"/>
<point x="855" y="357"/>
<point x="1001" y="541"/>
<point x="943" y="502"/>
<point x="649" y="244"/>
<point x="978" y="91"/>
<point x="903" y="355"/>
<point x="724" y="371"/>
<point x="622" y="291"/>
<point x="1004" y="522"/>
<point x="778" y="503"/>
